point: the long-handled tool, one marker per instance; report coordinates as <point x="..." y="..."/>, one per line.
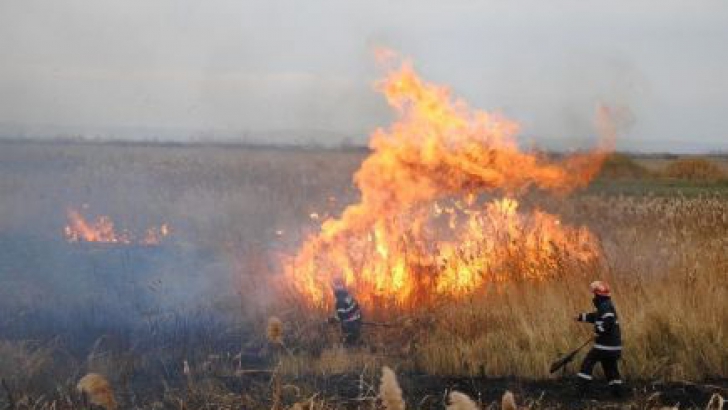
<point x="380" y="324"/>
<point x="334" y="321"/>
<point x="555" y="366"/>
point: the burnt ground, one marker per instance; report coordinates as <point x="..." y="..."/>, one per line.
<point x="254" y="391"/>
<point x="430" y="392"/>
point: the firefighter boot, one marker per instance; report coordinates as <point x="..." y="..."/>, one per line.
<point x="582" y="387"/>
<point x="616" y="389"/>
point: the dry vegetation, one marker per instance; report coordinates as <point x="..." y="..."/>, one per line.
<point x="695" y="169"/>
<point x="666" y="256"/>
<point x="667" y="260"/>
<point x="622" y="166"/>
<point x="701" y="169"/>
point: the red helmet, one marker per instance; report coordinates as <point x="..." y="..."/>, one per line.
<point x="600" y="288"/>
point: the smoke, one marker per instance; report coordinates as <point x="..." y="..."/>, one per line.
<point x="276" y="73"/>
<point x="217" y="203"/>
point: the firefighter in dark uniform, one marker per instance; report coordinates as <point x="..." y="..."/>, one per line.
<point x="607" y="348"/>
<point x="348" y="314"/>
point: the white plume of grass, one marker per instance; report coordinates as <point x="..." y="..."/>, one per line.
<point x="389" y="391"/>
<point x="98" y="391"/>
<point x="461" y="401"/>
<point x="508" y="402"/>
<point x="275" y="331"/>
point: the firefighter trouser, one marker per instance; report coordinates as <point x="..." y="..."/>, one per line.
<point x="352" y="333"/>
<point x="608" y="359"/>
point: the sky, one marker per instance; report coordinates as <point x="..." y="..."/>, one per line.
<point x="291" y="68"/>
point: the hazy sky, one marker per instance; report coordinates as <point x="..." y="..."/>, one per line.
<point x="308" y="64"/>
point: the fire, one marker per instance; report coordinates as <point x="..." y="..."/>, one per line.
<point x="439" y="212"/>
<point x="102" y="230"/>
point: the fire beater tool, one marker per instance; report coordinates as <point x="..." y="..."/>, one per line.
<point x="555" y="366"/>
<point x="381" y="324"/>
<point x="333" y="321"/>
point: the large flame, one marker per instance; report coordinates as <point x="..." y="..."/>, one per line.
<point x="102" y="230"/>
<point x="423" y="228"/>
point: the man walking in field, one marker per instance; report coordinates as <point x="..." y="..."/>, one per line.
<point x="607" y="348"/>
<point x="348" y="314"/>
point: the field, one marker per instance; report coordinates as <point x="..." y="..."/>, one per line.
<point x="183" y="324"/>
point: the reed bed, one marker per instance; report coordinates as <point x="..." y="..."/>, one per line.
<point x="665" y="255"/>
<point x="667" y="259"/>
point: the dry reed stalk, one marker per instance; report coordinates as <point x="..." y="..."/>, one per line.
<point x="98" y="390"/>
<point x="389" y="391"/>
<point x="508" y="402"/>
<point x="188" y="375"/>
<point x="461" y="401"/>
<point x="275" y="331"/>
<point x="277" y="388"/>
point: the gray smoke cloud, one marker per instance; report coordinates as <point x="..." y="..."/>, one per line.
<point x="291" y="71"/>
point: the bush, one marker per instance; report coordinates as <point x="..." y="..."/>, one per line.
<point x="622" y="166"/>
<point x="694" y="169"/>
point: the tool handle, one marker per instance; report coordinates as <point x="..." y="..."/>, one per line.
<point x="377" y="324"/>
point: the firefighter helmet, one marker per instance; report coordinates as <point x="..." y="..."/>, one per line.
<point x="338" y="285"/>
<point x="600" y="288"/>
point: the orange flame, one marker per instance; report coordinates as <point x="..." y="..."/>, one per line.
<point x="422" y="229"/>
<point x="102" y="230"/>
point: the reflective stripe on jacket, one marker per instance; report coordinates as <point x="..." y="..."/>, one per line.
<point x="606" y="326"/>
<point x="347" y="309"/>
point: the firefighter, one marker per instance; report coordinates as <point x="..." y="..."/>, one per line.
<point x="348" y="314"/>
<point x="607" y="348"/>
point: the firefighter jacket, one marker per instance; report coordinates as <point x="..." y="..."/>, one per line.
<point x="606" y="325"/>
<point x="347" y="310"/>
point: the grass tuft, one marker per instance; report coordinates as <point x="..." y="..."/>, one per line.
<point x="508" y="402"/>
<point x="389" y="391"/>
<point x="461" y="401"/>
<point x="275" y="331"/>
<point x="98" y="390"/>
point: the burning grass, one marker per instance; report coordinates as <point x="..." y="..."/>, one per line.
<point x="421" y="230"/>
<point x="102" y="231"/>
<point x="666" y="259"/>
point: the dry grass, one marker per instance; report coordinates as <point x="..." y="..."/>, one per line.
<point x="622" y="166"/>
<point x="694" y="169"/>
<point x="333" y="361"/>
<point x="665" y="258"/>
<point x="35" y="368"/>
<point x="667" y="262"/>
<point x="23" y="359"/>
